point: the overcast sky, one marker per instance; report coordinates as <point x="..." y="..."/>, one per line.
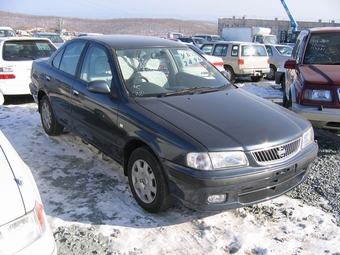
<point x="211" y="10"/>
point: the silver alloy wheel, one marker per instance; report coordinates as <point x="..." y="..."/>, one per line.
<point x="46" y="115"/>
<point x="144" y="181"/>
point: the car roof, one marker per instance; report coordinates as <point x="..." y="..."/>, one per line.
<point x="45" y="33"/>
<point x="324" y="29"/>
<point x="131" y="41"/>
<point x="233" y="42"/>
<point x="2" y="39"/>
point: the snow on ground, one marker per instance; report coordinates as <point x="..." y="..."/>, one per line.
<point x="80" y="186"/>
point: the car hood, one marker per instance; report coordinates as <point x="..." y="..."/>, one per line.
<point x="16" y="195"/>
<point x="234" y="118"/>
<point x="321" y="74"/>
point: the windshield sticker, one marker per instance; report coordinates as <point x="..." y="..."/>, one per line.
<point x="43" y="46"/>
<point x="188" y="58"/>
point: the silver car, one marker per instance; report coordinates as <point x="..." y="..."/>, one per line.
<point x="278" y="54"/>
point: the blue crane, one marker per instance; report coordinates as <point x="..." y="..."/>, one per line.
<point x="293" y="22"/>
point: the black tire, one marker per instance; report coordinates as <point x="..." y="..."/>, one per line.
<point x="147" y="181"/>
<point x="271" y="74"/>
<point x="231" y="74"/>
<point x="256" y="78"/>
<point x="286" y="103"/>
<point x="283" y="82"/>
<point x="49" y="122"/>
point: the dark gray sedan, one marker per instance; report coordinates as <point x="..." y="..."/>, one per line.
<point x="179" y="128"/>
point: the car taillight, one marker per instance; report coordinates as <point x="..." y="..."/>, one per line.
<point x="268" y="61"/>
<point x="6" y="70"/>
<point x="240" y="61"/>
<point x="7" y="76"/>
<point x="218" y="64"/>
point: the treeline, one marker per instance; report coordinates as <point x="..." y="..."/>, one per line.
<point x="146" y="26"/>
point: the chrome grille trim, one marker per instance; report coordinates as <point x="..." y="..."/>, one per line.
<point x="277" y="153"/>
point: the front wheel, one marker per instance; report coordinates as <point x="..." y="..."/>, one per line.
<point x="50" y="124"/>
<point x="147" y="181"/>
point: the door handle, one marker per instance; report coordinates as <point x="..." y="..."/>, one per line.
<point x="75" y="92"/>
<point x="48" y="78"/>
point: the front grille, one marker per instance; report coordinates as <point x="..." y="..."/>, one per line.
<point x="278" y="153"/>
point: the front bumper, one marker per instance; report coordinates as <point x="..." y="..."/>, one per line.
<point x="328" y="118"/>
<point x="242" y="187"/>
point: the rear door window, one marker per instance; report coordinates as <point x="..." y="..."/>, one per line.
<point x="70" y="58"/>
<point x="220" y="50"/>
<point x="234" y="50"/>
<point x="21" y="50"/>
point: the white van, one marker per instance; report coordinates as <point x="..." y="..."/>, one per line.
<point x="241" y="59"/>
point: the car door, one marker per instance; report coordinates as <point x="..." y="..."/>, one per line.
<point x="60" y="76"/>
<point x="95" y="114"/>
<point x="297" y="53"/>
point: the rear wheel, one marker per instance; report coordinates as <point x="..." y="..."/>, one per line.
<point x="147" y="182"/>
<point x="50" y="124"/>
<point x="231" y="74"/>
<point x="271" y="74"/>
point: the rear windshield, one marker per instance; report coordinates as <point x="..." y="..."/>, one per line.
<point x="253" y="50"/>
<point x="27" y="50"/>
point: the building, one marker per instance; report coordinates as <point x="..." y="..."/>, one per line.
<point x="276" y="25"/>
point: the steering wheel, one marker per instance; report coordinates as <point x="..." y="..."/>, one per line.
<point x="138" y="76"/>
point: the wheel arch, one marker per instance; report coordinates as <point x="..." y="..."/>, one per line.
<point x="135" y="143"/>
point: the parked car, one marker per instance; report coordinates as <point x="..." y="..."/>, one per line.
<point x="278" y="54"/>
<point x="280" y="76"/>
<point x="209" y="38"/>
<point x="16" y="56"/>
<point x="193" y="40"/>
<point x="54" y="37"/>
<point x="241" y="59"/>
<point x="88" y="34"/>
<point x="23" y="225"/>
<point x="216" y="61"/>
<point x="7" y="32"/>
<point x="313" y="78"/>
<point x="178" y="127"/>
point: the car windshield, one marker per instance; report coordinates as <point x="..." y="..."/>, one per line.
<point x="53" y="38"/>
<point x="168" y="72"/>
<point x="323" y="49"/>
<point x="7" y="33"/>
<point x="21" y="50"/>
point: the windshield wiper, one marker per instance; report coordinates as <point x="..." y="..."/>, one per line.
<point x="192" y="91"/>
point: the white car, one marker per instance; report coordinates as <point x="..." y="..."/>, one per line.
<point x="23" y="225"/>
<point x="16" y="56"/>
<point x="216" y="61"/>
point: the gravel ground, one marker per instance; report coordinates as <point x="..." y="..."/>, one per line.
<point x="321" y="190"/>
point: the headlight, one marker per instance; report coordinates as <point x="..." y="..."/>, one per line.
<point x="307" y="138"/>
<point x="318" y="95"/>
<point x="23" y="231"/>
<point x="216" y="160"/>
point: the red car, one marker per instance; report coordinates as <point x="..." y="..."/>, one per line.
<point x="313" y="78"/>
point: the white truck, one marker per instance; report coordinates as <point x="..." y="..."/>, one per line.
<point x="249" y="34"/>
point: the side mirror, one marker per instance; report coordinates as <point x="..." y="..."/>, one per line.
<point x="98" y="86"/>
<point x="290" y="64"/>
